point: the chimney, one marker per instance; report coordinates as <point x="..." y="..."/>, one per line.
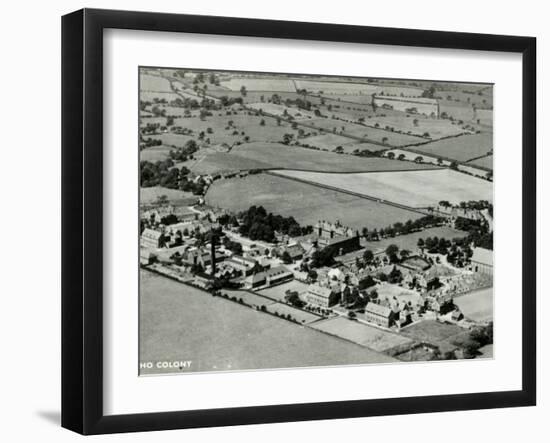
<point x="213" y="254"/>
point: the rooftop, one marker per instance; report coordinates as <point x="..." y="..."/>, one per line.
<point x="483" y="256"/>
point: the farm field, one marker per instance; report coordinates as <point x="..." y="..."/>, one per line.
<point x="458" y="111"/>
<point x="144" y="121"/>
<point x="434" y="332"/>
<point x="436" y="128"/>
<point x="484" y="162"/>
<point x="154" y="83"/>
<point x="177" y="140"/>
<point x="272" y="108"/>
<point x="150" y="96"/>
<point x="306" y="203"/>
<point x="259" y="84"/>
<point x="242" y="125"/>
<point x="331" y="141"/>
<point x="365" y="132"/>
<point x="155" y="153"/>
<point x="343" y="88"/>
<point x="360" y="333"/>
<point x="477" y="305"/>
<point x="277" y="156"/>
<point x="411" y="188"/>
<point x="180" y="322"/>
<point x="150" y="195"/>
<point x="462" y="148"/>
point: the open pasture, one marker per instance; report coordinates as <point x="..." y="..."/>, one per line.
<point x="484" y="162"/>
<point x="293" y="157"/>
<point x="348" y="88"/>
<point x="360" y="131"/>
<point x="306" y="203"/>
<point x="458" y="111"/>
<point x="279" y="110"/>
<point x="434" y="332"/>
<point x="151" y="195"/>
<point x="151" y="96"/>
<point x="331" y="141"/>
<point x="461" y="148"/>
<point x="230" y="128"/>
<point x="410" y="188"/>
<point x="417" y="125"/>
<point x="360" y="333"/>
<point x="171" y="139"/>
<point x="259" y="84"/>
<point x="155" y="153"/>
<point x="154" y="83"/>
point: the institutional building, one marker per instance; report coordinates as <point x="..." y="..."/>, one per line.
<point x="318" y="295"/>
<point x="378" y="314"/>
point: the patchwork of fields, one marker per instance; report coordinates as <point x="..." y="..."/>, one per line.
<point x="306" y="203"/>
<point x="462" y="148"/>
<point x="411" y="188"/>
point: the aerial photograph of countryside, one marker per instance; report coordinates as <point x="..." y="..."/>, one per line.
<point x="301" y="220"/>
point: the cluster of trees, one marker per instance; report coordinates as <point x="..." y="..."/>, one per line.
<point x="160" y="173"/>
<point x="257" y="224"/>
<point x="185" y="152"/>
<point x="399" y="228"/>
<point x="164" y="173"/>
<point x="150" y="142"/>
<point x="478" y="232"/>
<point x="226" y="101"/>
<point x="458" y="250"/>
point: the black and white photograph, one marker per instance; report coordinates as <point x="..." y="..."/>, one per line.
<point x="301" y="220"/>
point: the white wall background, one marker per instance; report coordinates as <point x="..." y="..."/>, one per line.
<point x="30" y="217"/>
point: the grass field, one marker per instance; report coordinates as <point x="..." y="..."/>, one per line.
<point x="224" y="132"/>
<point x="178" y="322"/>
<point x="360" y="333"/>
<point x="280" y="156"/>
<point x="150" y="195"/>
<point x="331" y="141"/>
<point x="368" y="133"/>
<point x="434" y="332"/>
<point x="485" y="162"/>
<point x="177" y="140"/>
<point x="345" y="88"/>
<point x="462" y="148"/>
<point x="272" y="108"/>
<point x="306" y="203"/>
<point x="155" y="153"/>
<point x="459" y="111"/>
<point x="436" y="128"/>
<point x="154" y="83"/>
<point x="411" y="188"/>
<point x="260" y="84"/>
<point x="477" y="305"/>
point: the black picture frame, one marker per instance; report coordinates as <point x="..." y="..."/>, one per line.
<point x="82" y="218"/>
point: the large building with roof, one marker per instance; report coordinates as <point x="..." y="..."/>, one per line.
<point x="482" y="261"/>
<point x="318" y="295"/>
<point x="378" y="314"/>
